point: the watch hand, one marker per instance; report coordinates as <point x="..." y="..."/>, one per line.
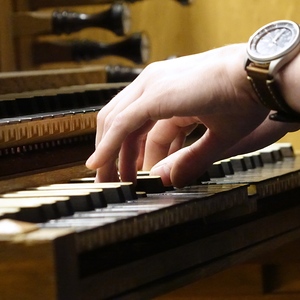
<point x="275" y="39"/>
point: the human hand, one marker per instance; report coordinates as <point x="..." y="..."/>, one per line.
<point x="145" y="125"/>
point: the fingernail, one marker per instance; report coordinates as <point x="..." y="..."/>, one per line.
<point x="90" y="161"/>
<point x="163" y="171"/>
<point x="160" y="168"/>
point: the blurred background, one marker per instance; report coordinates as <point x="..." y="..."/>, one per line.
<point x="171" y="29"/>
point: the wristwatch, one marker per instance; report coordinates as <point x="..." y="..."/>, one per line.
<point x="268" y="50"/>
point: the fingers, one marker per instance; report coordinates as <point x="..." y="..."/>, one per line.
<point x="109" y="144"/>
<point x="116" y="122"/>
<point x="128" y="158"/>
<point x="141" y="104"/>
<point x="166" y="137"/>
<point x="108" y="173"/>
<point x="187" y="164"/>
<point x="116" y="105"/>
<point x="180" y="90"/>
<point x="140" y="158"/>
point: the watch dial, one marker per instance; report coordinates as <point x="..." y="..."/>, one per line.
<point x="274" y="39"/>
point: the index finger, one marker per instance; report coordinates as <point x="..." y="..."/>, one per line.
<point x="116" y="105"/>
<point x="124" y="123"/>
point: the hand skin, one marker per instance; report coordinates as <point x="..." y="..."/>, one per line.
<point x="145" y="125"/>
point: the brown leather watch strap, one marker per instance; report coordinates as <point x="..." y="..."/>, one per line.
<point x="267" y="89"/>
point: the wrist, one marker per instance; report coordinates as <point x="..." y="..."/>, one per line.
<point x="289" y="82"/>
<point x="238" y="75"/>
<point x="270" y="49"/>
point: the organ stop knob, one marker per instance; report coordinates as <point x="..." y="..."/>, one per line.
<point x="134" y="48"/>
<point x="116" y="19"/>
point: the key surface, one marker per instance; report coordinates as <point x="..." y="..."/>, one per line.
<point x="145" y="183"/>
<point x="53" y="207"/>
<point x="127" y="188"/>
<point x="13" y="227"/>
<point x="79" y="200"/>
<point x="30" y="210"/>
<point x="96" y="194"/>
<point x="112" y="191"/>
<point x="62" y="205"/>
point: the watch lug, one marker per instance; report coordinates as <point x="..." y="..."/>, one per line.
<point x="247" y="62"/>
<point x="278" y="63"/>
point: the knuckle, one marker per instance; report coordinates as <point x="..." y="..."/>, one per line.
<point x="117" y="121"/>
<point x="152" y="68"/>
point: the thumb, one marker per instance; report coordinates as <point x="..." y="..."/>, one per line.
<point x="187" y="164"/>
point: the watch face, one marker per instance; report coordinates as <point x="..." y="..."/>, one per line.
<point x="273" y="40"/>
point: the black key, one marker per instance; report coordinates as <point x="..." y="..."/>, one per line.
<point x="257" y="159"/>
<point x="128" y="191"/>
<point x="270" y="156"/>
<point x="249" y="162"/>
<point x="114" y="194"/>
<point x="238" y="163"/>
<point x="286" y="149"/>
<point x="216" y="170"/>
<point x="203" y="178"/>
<point x="150" y="184"/>
<point x="227" y="167"/>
